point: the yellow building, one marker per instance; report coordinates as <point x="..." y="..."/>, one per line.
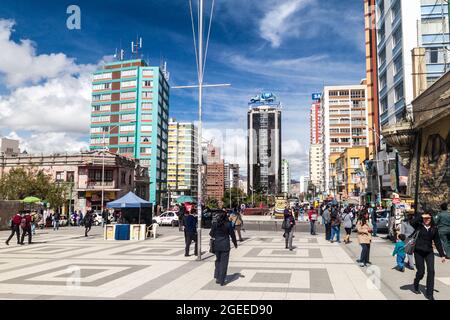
<point x="346" y="167"/>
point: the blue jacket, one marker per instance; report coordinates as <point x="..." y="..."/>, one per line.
<point x="190" y="224"/>
<point x="399" y="248"/>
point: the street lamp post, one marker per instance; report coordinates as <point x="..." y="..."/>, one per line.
<point x="376" y="157"/>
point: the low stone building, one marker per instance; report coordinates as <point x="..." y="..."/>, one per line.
<point x="83" y="175"/>
<point x="430" y="169"/>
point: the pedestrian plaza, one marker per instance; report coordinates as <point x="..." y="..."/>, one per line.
<point x="66" y="265"/>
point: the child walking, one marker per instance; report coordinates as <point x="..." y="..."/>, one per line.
<point x="399" y="250"/>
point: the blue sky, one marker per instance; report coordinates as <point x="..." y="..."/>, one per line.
<point x="289" y="47"/>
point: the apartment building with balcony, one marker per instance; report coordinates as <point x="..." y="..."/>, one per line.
<point x="82" y="173"/>
<point x="182" y="159"/>
<point x="345" y="119"/>
<point x="130" y="111"/>
<point x="403" y="25"/>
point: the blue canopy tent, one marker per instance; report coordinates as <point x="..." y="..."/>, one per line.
<point x="130" y="200"/>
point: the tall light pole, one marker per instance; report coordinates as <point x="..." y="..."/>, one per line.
<point x="376" y="157"/>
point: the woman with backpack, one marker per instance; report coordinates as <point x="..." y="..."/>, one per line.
<point x="335" y="226"/>
<point x="221" y="232"/>
<point x="348" y="225"/>
<point x="425" y="234"/>
<point x="288" y="226"/>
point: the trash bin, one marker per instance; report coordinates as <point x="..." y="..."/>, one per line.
<point x="122" y="232"/>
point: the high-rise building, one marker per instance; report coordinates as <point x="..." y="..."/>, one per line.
<point x="304" y="181"/>
<point x="373" y="113"/>
<point x="215" y="174"/>
<point x="315" y="123"/>
<point x="316" y="167"/>
<point x="345" y="123"/>
<point x="402" y="26"/>
<point x="130" y="112"/>
<point x="285" y="177"/>
<point x="264" y="144"/>
<point x="231" y="176"/>
<point x="182" y="159"/>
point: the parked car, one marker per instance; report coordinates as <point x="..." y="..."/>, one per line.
<point x="383" y="220"/>
<point x="167" y="218"/>
<point x="98" y="219"/>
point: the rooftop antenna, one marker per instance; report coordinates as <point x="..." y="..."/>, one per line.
<point x="136" y="46"/>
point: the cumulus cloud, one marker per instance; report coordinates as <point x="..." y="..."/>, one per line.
<point x="48" y="97"/>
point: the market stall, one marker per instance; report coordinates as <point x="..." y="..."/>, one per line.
<point x="125" y="231"/>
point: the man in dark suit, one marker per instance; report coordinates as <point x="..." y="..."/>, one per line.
<point x="190" y="232"/>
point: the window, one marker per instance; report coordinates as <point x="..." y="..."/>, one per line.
<point x="383" y="81"/>
<point x="384" y="104"/>
<point x="146" y="95"/>
<point x="126" y="139"/>
<point x="146" y="150"/>
<point x="127" y="128"/>
<point x="70" y="176"/>
<point x="382" y="57"/>
<point x="334" y="140"/>
<point x="147" y="117"/>
<point x="100" y="97"/>
<point x="59" y="176"/>
<point x="128" y="84"/>
<point x="148" y="83"/>
<point x="147" y="105"/>
<point x="124" y="150"/>
<point x="381" y="33"/>
<point x="381" y="8"/>
<point x="129" y="73"/>
<point x="147" y="73"/>
<point x="103" y="76"/>
<point x="398" y="65"/>
<point x="146" y="128"/>
<point x="145" y="162"/>
<point x="101" y="119"/>
<point x="146" y="139"/>
<point x="122" y="177"/>
<point x="432" y="26"/>
<point x="399" y="92"/>
<point x="128" y="95"/>
<point x="395" y="11"/>
<point x="433" y="55"/>
<point x="128" y="117"/>
<point x="397" y="37"/>
<point x="354" y="162"/>
<point x="103" y="86"/>
<point x="127" y="106"/>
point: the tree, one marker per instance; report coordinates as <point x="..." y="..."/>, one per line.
<point x="236" y="197"/>
<point x="212" y="203"/>
<point x="19" y="183"/>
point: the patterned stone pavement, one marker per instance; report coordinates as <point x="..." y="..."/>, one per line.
<point x="66" y="265"/>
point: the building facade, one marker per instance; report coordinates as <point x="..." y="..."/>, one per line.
<point x="285" y="177"/>
<point x="403" y="25"/>
<point x="264" y="144"/>
<point x="231" y="176"/>
<point x="182" y="159"/>
<point x="317" y="167"/>
<point x="130" y="112"/>
<point x="215" y="174"/>
<point x="82" y="175"/>
<point x="345" y="123"/>
<point x="9" y="147"/>
<point x="315" y="123"/>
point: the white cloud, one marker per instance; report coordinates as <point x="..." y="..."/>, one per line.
<point x="281" y="22"/>
<point x="50" y="142"/>
<point x="49" y="96"/>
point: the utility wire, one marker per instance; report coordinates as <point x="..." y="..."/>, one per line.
<point x="209" y="33"/>
<point x="194" y="35"/>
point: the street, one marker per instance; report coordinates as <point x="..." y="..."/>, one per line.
<point x="67" y="265"/>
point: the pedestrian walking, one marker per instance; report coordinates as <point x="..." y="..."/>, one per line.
<point x="238" y="224"/>
<point x="326" y="216"/>
<point x="288" y="226"/>
<point x="312" y="216"/>
<point x="25" y="224"/>
<point x="55" y="218"/>
<point x="34" y="219"/>
<point x="221" y="232"/>
<point x="426" y="234"/>
<point x="88" y="221"/>
<point x="336" y="227"/>
<point x="399" y="251"/>
<point x="373" y="219"/>
<point x="15" y="228"/>
<point x="365" y="238"/>
<point x="347" y="219"/>
<point x="443" y="225"/>
<point x="190" y="233"/>
<point x="407" y="229"/>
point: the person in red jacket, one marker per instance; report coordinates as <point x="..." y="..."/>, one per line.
<point x="25" y="224"/>
<point x="15" y="228"/>
<point x="312" y="215"/>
